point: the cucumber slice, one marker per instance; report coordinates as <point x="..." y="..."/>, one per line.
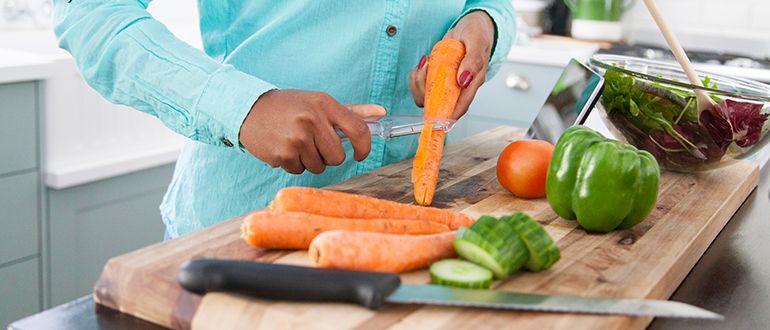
<point x="493" y="244"/>
<point x="543" y="252"/>
<point x="460" y="273"/>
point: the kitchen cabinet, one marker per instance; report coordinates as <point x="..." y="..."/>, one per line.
<point x="20" y="218"/>
<point x="53" y="243"/>
<point x="21" y="201"/>
<point x="19" y="290"/>
<point x="18" y="127"/>
<point x="513" y="97"/>
<point x="90" y="223"/>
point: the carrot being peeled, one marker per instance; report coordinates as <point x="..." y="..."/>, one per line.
<point x="426" y="167"/>
<point x="441" y="94"/>
<point x="295" y="230"/>
<point x="344" y="205"/>
<point x="377" y="252"/>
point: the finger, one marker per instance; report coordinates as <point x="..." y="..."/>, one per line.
<point x="367" y="110"/>
<point x="293" y="165"/>
<point x="471" y="68"/>
<point x="417" y="94"/>
<point x="471" y="73"/>
<point x="329" y="145"/>
<point x="355" y="129"/>
<point x="417" y="81"/>
<point x="466" y="97"/>
<point x="311" y="160"/>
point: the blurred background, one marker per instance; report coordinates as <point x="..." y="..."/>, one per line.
<point x="81" y="179"/>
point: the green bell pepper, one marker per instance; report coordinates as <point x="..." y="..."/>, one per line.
<point x="601" y="183"/>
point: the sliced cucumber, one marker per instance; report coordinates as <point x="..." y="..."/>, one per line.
<point x="460" y="273"/>
<point x="493" y="244"/>
<point x="543" y="252"/>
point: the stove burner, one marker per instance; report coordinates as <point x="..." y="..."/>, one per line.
<point x="662" y="54"/>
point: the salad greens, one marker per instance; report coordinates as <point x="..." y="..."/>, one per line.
<point x="664" y="120"/>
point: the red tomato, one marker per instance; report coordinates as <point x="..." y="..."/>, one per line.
<point x="523" y="166"/>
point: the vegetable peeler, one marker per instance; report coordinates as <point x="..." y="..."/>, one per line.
<point x="388" y="127"/>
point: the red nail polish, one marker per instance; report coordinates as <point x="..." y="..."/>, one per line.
<point x="423" y="59"/>
<point x="465" y="79"/>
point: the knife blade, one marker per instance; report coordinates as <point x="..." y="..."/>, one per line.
<point x="372" y="290"/>
<point x="391" y="126"/>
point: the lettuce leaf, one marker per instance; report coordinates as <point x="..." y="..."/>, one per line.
<point x="733" y="121"/>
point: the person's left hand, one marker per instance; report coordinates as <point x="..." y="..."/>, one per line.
<point x="477" y="32"/>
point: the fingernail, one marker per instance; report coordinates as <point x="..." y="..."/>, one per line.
<point x="423" y="59"/>
<point x="465" y="79"/>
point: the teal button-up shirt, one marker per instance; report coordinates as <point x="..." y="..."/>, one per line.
<point x="339" y="47"/>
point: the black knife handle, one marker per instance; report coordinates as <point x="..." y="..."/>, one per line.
<point x="283" y="282"/>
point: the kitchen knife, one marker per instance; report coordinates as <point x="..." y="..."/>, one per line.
<point x="388" y="127"/>
<point x="283" y="282"/>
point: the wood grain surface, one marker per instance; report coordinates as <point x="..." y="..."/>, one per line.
<point x="647" y="261"/>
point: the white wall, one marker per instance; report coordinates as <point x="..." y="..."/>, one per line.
<point x="180" y="16"/>
<point x="175" y="11"/>
<point x="737" y="25"/>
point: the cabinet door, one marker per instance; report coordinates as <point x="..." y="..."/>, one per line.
<point x="19" y="291"/>
<point x="19" y="216"/>
<point x="18" y="127"/>
<point x="96" y="221"/>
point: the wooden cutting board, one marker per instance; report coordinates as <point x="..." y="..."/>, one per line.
<point x="647" y="261"/>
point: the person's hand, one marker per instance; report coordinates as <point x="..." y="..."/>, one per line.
<point x="477" y="32"/>
<point x="294" y="130"/>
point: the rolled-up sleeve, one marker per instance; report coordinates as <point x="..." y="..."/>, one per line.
<point x="504" y="18"/>
<point x="132" y="59"/>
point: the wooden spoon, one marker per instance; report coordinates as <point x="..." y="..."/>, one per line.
<point x="704" y="101"/>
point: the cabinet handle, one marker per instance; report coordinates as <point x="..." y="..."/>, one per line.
<point x="517" y="82"/>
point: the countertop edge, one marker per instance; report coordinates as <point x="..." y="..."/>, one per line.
<point x="18" y="66"/>
<point x="66" y="176"/>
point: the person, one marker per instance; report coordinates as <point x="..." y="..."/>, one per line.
<point x="261" y="103"/>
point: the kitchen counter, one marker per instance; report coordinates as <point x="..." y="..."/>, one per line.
<point x="551" y="51"/>
<point x="23" y="66"/>
<point x="729" y="279"/>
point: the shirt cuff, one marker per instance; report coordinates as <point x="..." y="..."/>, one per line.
<point x="226" y="100"/>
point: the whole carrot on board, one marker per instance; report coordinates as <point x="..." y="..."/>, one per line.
<point x="441" y="94"/>
<point x="345" y="205"/>
<point x="378" y="252"/>
<point x="295" y="230"/>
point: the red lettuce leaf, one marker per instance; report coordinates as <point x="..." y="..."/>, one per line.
<point x="732" y="121"/>
<point x="747" y="120"/>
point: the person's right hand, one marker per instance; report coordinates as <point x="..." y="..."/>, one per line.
<point x="294" y="130"/>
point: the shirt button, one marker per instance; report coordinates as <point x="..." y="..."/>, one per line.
<point x="391" y="30"/>
<point x="227" y="142"/>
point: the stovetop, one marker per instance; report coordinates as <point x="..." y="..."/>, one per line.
<point x="705" y="57"/>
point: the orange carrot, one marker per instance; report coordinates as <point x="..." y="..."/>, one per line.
<point x="295" y="230"/>
<point x="345" y="205"/>
<point x="441" y="94"/>
<point x="378" y="252"/>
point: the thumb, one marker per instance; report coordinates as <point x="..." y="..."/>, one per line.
<point x="470" y="68"/>
<point x="367" y="110"/>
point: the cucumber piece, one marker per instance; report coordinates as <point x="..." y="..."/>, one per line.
<point x="492" y="244"/>
<point x="461" y="274"/>
<point x="543" y="252"/>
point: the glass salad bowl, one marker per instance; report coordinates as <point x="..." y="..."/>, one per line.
<point x="651" y="105"/>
